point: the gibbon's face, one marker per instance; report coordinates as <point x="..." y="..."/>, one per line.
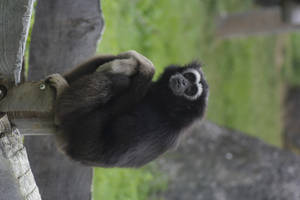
<point x="186" y="84"/>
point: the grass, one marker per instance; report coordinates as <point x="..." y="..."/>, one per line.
<point x="127" y="184"/>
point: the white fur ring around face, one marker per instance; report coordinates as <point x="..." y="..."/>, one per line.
<point x="195" y="73"/>
<point x="200" y="89"/>
<point x="197" y="95"/>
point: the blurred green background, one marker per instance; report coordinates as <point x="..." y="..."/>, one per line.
<point x="246" y="75"/>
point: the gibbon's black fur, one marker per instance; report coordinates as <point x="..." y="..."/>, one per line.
<point x="115" y="120"/>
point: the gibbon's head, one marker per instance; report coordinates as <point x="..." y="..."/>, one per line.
<point x="188" y="81"/>
<point x="186" y="84"/>
<point x="182" y="92"/>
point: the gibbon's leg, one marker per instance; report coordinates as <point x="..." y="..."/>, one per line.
<point x="80" y="108"/>
<point x="86" y="93"/>
<point x="90" y="92"/>
<point x="83" y="109"/>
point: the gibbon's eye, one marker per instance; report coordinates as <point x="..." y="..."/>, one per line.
<point x="191" y="91"/>
<point x="190" y="76"/>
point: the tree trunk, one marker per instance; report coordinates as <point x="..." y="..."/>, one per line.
<point x="291" y="134"/>
<point x="65" y="33"/>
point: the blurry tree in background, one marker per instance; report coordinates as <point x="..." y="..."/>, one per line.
<point x="291" y="100"/>
<point x="277" y="16"/>
<point x="291" y="131"/>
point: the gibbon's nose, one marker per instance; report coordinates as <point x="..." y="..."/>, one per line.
<point x="180" y="83"/>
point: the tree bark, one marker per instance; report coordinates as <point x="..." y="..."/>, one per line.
<point x="215" y="163"/>
<point x="65" y="33"/>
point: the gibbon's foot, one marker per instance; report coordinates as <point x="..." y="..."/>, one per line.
<point x="145" y="65"/>
<point x="58" y="82"/>
<point x="129" y="63"/>
<point x="127" y="66"/>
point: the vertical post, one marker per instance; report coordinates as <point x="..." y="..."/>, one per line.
<point x="14" y="24"/>
<point x="65" y="33"/>
<point x="16" y="181"/>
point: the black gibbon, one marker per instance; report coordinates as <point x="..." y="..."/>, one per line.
<point x="111" y="114"/>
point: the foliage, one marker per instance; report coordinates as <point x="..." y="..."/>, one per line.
<point x="291" y="70"/>
<point x="127" y="184"/>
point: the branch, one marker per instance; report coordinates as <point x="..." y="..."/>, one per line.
<point x="29" y="106"/>
<point x="11" y="145"/>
